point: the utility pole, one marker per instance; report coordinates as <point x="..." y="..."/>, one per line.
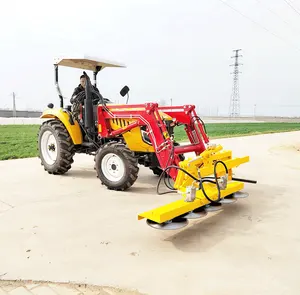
<point x="234" y="108"/>
<point x="171" y="101"/>
<point x="14" y="105"/>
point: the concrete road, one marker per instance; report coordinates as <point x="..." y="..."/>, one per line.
<point x="70" y="228"/>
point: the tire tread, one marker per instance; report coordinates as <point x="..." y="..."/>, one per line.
<point x="66" y="146"/>
<point x="130" y="161"/>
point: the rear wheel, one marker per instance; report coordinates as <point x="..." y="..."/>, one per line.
<point x="116" y="166"/>
<point x="55" y="146"/>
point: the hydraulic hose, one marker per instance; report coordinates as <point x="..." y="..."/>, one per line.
<point x="244" y="180"/>
<point x="195" y="118"/>
<point x="164" y="173"/>
<point x="200" y="180"/>
<point x="216" y="182"/>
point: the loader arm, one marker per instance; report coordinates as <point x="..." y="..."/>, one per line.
<point x="150" y="116"/>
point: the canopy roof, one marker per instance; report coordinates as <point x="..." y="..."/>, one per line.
<point x="86" y="63"/>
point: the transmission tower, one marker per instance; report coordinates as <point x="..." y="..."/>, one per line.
<point x="234" y="109"/>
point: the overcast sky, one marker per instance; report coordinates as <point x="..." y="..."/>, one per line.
<point x="172" y="49"/>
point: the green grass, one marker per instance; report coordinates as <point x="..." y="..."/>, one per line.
<point x="20" y="141"/>
<point x="221" y="130"/>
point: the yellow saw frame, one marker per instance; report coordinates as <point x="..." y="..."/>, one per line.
<point x="203" y="165"/>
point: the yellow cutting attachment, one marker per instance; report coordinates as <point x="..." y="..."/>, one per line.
<point x="202" y="166"/>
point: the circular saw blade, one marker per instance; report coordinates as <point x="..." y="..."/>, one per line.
<point x="212" y="207"/>
<point x="228" y="200"/>
<point x="240" y="195"/>
<point x="176" y="223"/>
<point x="197" y="213"/>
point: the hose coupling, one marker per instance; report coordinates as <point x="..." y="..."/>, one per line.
<point x="191" y="193"/>
<point x="223" y="182"/>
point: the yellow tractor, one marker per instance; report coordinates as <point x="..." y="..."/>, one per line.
<point x="123" y="136"/>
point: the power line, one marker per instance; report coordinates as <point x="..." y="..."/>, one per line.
<point x="256" y="23"/>
<point x="277" y="15"/>
<point x="290" y="5"/>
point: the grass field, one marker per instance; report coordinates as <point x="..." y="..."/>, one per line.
<point x="219" y="130"/>
<point x="20" y="141"/>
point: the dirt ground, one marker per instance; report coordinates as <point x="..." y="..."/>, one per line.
<point x="71" y="229"/>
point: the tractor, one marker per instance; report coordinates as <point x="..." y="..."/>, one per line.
<point x="123" y="136"/>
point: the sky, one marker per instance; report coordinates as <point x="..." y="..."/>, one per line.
<point x="172" y="49"/>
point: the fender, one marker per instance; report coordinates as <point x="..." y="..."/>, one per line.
<point x="73" y="129"/>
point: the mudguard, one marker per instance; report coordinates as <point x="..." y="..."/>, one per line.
<point x="62" y="115"/>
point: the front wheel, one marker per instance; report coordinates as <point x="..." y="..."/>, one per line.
<point x="116" y="166"/>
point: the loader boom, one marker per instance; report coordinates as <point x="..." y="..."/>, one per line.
<point x="148" y="115"/>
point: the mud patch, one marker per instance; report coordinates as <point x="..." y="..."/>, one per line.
<point x="5" y="206"/>
<point x="40" y="287"/>
<point x="294" y="148"/>
<point x="287" y="155"/>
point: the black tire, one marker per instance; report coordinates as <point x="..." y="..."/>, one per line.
<point x="64" y="146"/>
<point x="125" y="164"/>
